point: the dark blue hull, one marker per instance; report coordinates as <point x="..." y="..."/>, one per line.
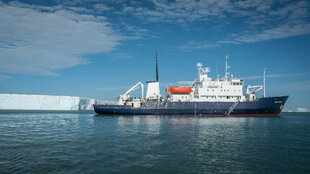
<point x="269" y="106"/>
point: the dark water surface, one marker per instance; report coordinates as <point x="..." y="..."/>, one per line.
<point x="89" y="143"/>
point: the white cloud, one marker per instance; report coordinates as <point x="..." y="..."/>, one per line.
<point x="259" y="20"/>
<point x="302" y="110"/>
<point x="39" y="42"/>
<point x="276" y="76"/>
<point x="102" y="7"/>
<point x="180" y="11"/>
<point x="296" y="86"/>
<point x="198" y="45"/>
<point x="275" y="33"/>
<point x="113" y="88"/>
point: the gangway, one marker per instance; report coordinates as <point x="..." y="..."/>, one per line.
<point x="232" y="107"/>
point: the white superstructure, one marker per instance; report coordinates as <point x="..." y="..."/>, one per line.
<point x="204" y="88"/>
<point x="225" y="89"/>
<point x="153" y="92"/>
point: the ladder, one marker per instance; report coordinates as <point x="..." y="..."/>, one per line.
<point x="231" y="108"/>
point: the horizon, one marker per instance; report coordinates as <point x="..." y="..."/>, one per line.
<point x="99" y="49"/>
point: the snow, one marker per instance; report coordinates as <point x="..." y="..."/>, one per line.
<point x="44" y="102"/>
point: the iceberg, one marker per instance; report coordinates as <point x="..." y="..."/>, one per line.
<point x="44" y="102"/>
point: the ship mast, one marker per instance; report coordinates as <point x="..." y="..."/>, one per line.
<point x="156" y="68"/>
<point x="199" y="65"/>
<point x="265" y="82"/>
<point x="226" y="69"/>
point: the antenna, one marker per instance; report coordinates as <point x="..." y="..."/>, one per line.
<point x="217" y="74"/>
<point x="265" y="82"/>
<point x="156" y="68"/>
<point x="226" y="67"/>
<point x="199" y="65"/>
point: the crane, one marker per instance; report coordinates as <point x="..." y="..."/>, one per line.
<point x="122" y="98"/>
<point x="254" y="89"/>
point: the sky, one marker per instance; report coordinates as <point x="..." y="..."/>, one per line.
<point x="99" y="49"/>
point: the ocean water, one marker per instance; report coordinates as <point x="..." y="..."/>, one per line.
<point x="90" y="143"/>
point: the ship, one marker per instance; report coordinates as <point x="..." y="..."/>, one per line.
<point x="202" y="97"/>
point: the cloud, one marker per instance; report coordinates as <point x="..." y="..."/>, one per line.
<point x="258" y="20"/>
<point x="37" y="40"/>
<point x="276" y="76"/>
<point x="282" y="31"/>
<point x="113" y="88"/>
<point x="297" y="86"/>
<point x="197" y="45"/>
<point x="302" y="110"/>
<point x="103" y="7"/>
<point x="179" y="11"/>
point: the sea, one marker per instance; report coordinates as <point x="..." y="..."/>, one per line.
<point x="65" y="142"/>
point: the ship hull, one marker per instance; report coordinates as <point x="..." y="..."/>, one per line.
<point x="268" y="106"/>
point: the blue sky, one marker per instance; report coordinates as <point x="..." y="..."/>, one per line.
<point x="98" y="49"/>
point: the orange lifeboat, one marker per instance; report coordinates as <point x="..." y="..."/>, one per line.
<point x="179" y="90"/>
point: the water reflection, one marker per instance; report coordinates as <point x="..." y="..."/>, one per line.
<point x="86" y="143"/>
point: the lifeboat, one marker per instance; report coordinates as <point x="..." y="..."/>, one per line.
<point x="179" y="90"/>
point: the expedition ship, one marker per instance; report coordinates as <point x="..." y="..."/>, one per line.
<point x="202" y="97"/>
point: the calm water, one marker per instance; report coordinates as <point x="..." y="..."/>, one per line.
<point x="89" y="143"/>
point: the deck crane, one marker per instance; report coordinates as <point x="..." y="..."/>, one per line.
<point x="122" y="98"/>
<point x="251" y="90"/>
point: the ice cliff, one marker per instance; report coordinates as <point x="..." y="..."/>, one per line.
<point x="44" y="102"/>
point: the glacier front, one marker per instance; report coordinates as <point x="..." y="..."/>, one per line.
<point x="44" y="102"/>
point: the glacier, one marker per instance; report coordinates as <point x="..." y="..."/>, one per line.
<point x="44" y="102"/>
